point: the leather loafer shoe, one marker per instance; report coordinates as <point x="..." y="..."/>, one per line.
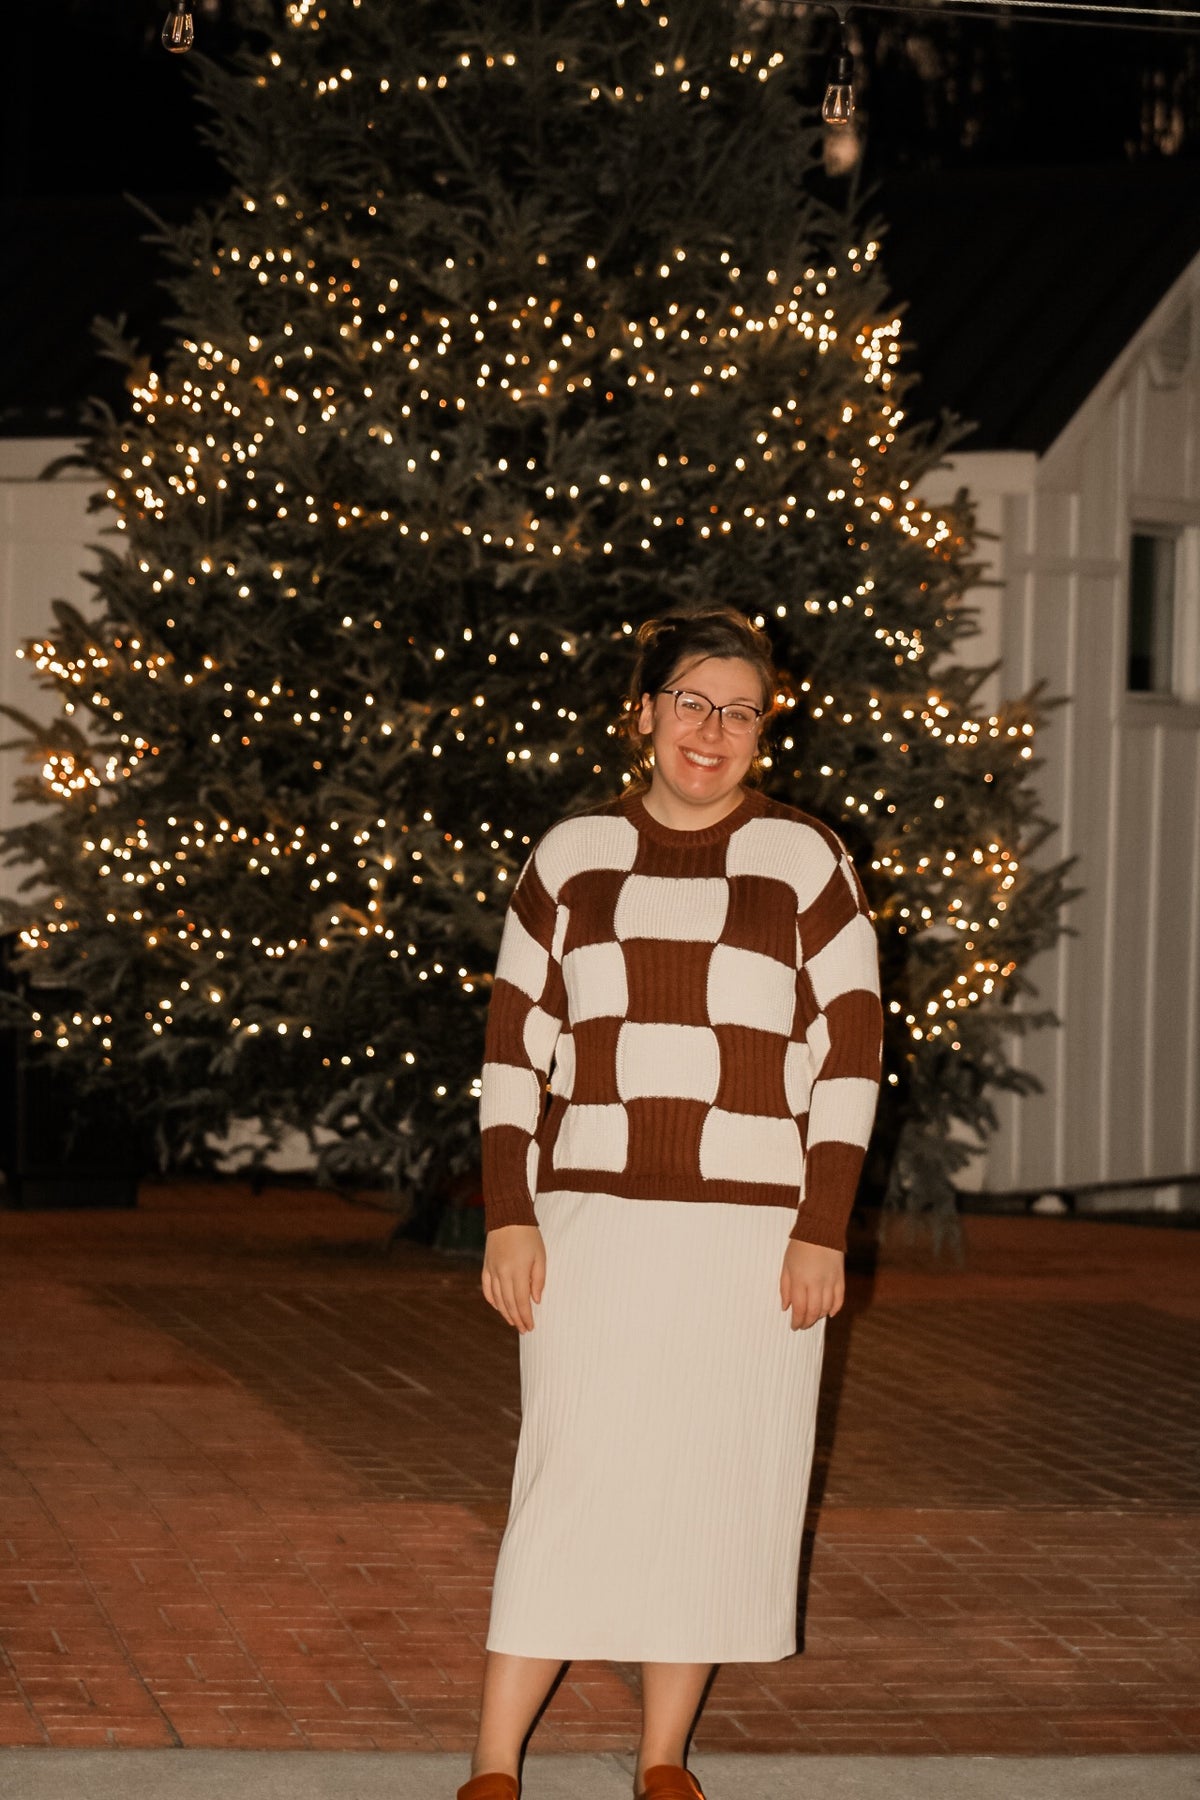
<point x="665" y="1782"/>
<point x="490" y="1787"/>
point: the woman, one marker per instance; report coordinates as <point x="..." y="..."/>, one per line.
<point x="694" y="968"/>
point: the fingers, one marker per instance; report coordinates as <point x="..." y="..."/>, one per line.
<point x="512" y="1289"/>
<point x="813" y="1300"/>
<point x="519" y="1302"/>
<point x="807" y="1308"/>
<point x="504" y="1292"/>
<point x="812" y="1283"/>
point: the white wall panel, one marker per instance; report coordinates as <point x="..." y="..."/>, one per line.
<point x="1055" y="525"/>
<point x="44" y="533"/>
<point x="1120" y="777"/>
<point x="1172" y="1075"/>
<point x="1083" y="1010"/>
<point x="1097" y="471"/>
<point x="1161" y="463"/>
<point x="1191" y="981"/>
<point x="1047" y="653"/>
<point x="1131" y="848"/>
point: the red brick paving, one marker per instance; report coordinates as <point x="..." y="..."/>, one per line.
<point x="254" y="1461"/>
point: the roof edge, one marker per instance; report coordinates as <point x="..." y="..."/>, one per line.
<point x="1188" y="280"/>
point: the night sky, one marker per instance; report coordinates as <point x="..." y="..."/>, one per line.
<point x="97" y="111"/>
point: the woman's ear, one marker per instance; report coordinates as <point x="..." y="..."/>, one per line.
<point x="646" y="715"/>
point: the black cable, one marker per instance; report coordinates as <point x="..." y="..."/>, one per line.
<point x="999" y="13"/>
<point x="1171" y="21"/>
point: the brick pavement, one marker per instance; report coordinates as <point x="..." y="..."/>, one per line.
<point x="254" y="1461"/>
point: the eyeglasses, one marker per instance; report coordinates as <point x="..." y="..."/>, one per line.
<point x="736" y="717"/>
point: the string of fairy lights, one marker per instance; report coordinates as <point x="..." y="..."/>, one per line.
<point x="209" y="438"/>
<point x="838" y="103"/>
<point x="691" y="327"/>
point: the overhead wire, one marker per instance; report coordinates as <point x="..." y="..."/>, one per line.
<point x="1169" y="20"/>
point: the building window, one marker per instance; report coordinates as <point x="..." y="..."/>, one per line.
<point x="1153" y="560"/>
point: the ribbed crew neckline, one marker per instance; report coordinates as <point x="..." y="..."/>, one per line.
<point x="635" y="811"/>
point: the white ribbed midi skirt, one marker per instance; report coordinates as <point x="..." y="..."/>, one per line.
<point x="668" y="1414"/>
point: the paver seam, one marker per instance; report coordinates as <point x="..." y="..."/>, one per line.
<point x="117" y="1636"/>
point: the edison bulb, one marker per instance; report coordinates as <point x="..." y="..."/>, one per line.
<point x="837" y="108"/>
<point x="179" y="31"/>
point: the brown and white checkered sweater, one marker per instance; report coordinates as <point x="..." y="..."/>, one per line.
<point x="709" y="1001"/>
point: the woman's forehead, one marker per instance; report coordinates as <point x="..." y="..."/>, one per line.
<point x="735" y="675"/>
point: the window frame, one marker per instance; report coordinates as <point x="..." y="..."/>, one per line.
<point x="1183" y="687"/>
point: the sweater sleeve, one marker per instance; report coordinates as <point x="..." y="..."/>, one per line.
<point x="525" y="1018"/>
<point x="841" y="962"/>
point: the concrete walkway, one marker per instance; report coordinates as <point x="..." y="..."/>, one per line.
<point x="300" y="1775"/>
<point x="254" y="1461"/>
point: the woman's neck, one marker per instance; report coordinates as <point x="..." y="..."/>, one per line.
<point x="666" y="808"/>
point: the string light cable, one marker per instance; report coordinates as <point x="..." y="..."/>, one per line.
<point x="838" y="103"/>
<point x="1074" y="11"/>
<point x="1173" y="20"/>
<point x="179" y="30"/>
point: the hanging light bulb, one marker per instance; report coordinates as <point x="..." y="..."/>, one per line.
<point x="837" y="108"/>
<point x="179" y="31"/>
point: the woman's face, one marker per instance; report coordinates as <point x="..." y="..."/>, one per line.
<point x="699" y="762"/>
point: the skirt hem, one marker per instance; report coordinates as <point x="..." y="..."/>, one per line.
<point x="607" y="1654"/>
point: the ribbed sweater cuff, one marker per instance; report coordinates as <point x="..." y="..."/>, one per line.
<point x="514" y="1210"/>
<point x="506" y="1197"/>
<point x="830" y="1184"/>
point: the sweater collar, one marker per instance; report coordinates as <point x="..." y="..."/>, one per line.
<point x="751" y="804"/>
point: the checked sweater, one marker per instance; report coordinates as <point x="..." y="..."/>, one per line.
<point x="704" y="1006"/>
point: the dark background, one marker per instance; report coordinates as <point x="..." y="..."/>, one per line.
<point x="1040" y="183"/>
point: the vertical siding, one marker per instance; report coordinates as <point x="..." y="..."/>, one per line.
<point x="1098" y="478"/>
<point x="1172" y="1076"/>
<point x="1190" y="1072"/>
<point x="1160" y="438"/>
<point x="1049" y="596"/>
<point x="1086" y="1014"/>
<point x="44" y="533"/>
<point x="1001" y="1166"/>
<point x="1120" y="776"/>
<point x="1127" y="954"/>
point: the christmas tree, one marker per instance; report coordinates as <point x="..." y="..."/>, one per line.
<point x="518" y="325"/>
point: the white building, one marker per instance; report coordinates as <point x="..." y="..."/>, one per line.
<point x="1090" y="489"/>
<point x="45" y="531"/>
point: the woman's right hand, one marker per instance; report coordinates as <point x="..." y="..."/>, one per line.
<point x="514" y="1272"/>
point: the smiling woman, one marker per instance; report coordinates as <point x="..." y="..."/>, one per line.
<point x="693" y="969"/>
<point x="702" y="746"/>
<point x="702" y="688"/>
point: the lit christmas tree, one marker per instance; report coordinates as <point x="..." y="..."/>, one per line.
<point x="517" y="327"/>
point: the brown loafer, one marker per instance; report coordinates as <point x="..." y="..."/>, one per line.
<point x="665" y="1782"/>
<point x="490" y="1787"/>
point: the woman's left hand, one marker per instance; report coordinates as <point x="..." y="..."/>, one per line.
<point x="812" y="1283"/>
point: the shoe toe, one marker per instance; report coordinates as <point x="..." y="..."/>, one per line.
<point x="665" y="1782"/>
<point x="490" y="1787"/>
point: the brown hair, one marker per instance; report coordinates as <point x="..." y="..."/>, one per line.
<point x="666" y="643"/>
